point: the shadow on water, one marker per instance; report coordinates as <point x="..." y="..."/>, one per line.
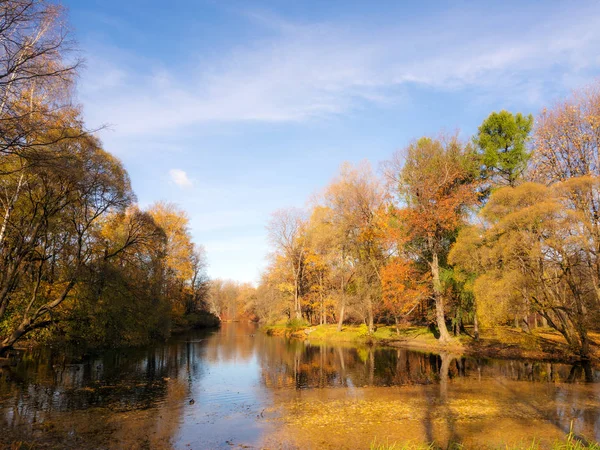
<point x="214" y="390"/>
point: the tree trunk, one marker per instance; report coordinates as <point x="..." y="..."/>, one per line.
<point x="342" y="310"/>
<point x="322" y="319"/>
<point x="370" y="318"/>
<point x="444" y="375"/>
<point x="439" y="299"/>
<point x="585" y="342"/>
<point x="10" y="208"/>
<point x="397" y="326"/>
<point x="457" y="322"/>
<point x="8" y="343"/>
<point x="297" y="310"/>
<point x="343" y="306"/>
<point x="475" y="326"/>
<point x="29" y="323"/>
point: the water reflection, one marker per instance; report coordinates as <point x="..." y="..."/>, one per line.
<point x="237" y="386"/>
<point x="305" y="366"/>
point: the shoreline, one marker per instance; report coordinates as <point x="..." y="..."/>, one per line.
<point x="542" y="345"/>
<point x="80" y="350"/>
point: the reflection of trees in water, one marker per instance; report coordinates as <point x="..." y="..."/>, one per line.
<point x="446" y="399"/>
<point x="49" y="394"/>
<point x="294" y="363"/>
<point x="135" y="396"/>
<point x="234" y="342"/>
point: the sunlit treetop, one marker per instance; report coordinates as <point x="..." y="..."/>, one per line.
<point x="502" y="139"/>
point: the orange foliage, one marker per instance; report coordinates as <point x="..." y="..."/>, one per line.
<point x="402" y="287"/>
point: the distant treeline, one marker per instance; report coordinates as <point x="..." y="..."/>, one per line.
<point x="502" y="228"/>
<point x="79" y="261"/>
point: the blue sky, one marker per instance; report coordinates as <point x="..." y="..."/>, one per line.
<point x="233" y="109"/>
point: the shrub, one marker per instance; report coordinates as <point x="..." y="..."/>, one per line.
<point x="296" y="324"/>
<point x="363" y="330"/>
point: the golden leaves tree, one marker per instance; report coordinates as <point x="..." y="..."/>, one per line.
<point x="534" y="255"/>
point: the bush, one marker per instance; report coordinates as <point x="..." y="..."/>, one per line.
<point x="296" y="324"/>
<point x="363" y="330"/>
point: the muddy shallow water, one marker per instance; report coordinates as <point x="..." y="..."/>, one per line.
<point x="237" y="388"/>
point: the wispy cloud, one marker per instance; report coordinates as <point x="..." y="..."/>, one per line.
<point x="180" y="178"/>
<point x="304" y="71"/>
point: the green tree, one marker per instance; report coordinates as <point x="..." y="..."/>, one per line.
<point x="502" y="139"/>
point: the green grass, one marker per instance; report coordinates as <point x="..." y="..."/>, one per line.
<point x="355" y="334"/>
<point x="359" y="334"/>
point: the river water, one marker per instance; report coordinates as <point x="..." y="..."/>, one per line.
<point x="238" y="388"/>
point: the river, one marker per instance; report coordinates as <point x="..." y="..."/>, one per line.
<point x="238" y="388"/>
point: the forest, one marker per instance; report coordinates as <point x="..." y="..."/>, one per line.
<point x="456" y="233"/>
<point x="460" y="234"/>
<point x="80" y="262"/>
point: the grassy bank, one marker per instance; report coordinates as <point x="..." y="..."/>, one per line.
<point x="500" y="342"/>
<point x="569" y="443"/>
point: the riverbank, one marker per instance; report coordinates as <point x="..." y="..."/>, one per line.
<point x="200" y="320"/>
<point x="543" y="344"/>
<point x="195" y="321"/>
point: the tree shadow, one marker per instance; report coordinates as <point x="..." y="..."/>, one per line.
<point x="438" y="405"/>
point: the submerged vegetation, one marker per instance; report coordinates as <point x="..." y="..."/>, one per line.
<point x="79" y="261"/>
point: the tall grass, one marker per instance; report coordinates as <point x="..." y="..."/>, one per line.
<point x="571" y="442"/>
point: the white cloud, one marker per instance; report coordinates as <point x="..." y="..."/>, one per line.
<point x="310" y="71"/>
<point x="180" y="178"/>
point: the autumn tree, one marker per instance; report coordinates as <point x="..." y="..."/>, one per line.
<point x="76" y="253"/>
<point x="37" y="69"/>
<point x="434" y="180"/>
<point x="286" y="233"/>
<point x="231" y="300"/>
<point x="268" y="305"/>
<point x="118" y="302"/>
<point x="200" y="282"/>
<point x="403" y="287"/>
<point x="356" y="203"/>
<point x="567" y="138"/>
<point x="50" y="236"/>
<point x="533" y="254"/>
<point x="178" y="260"/>
<point x="320" y="259"/>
